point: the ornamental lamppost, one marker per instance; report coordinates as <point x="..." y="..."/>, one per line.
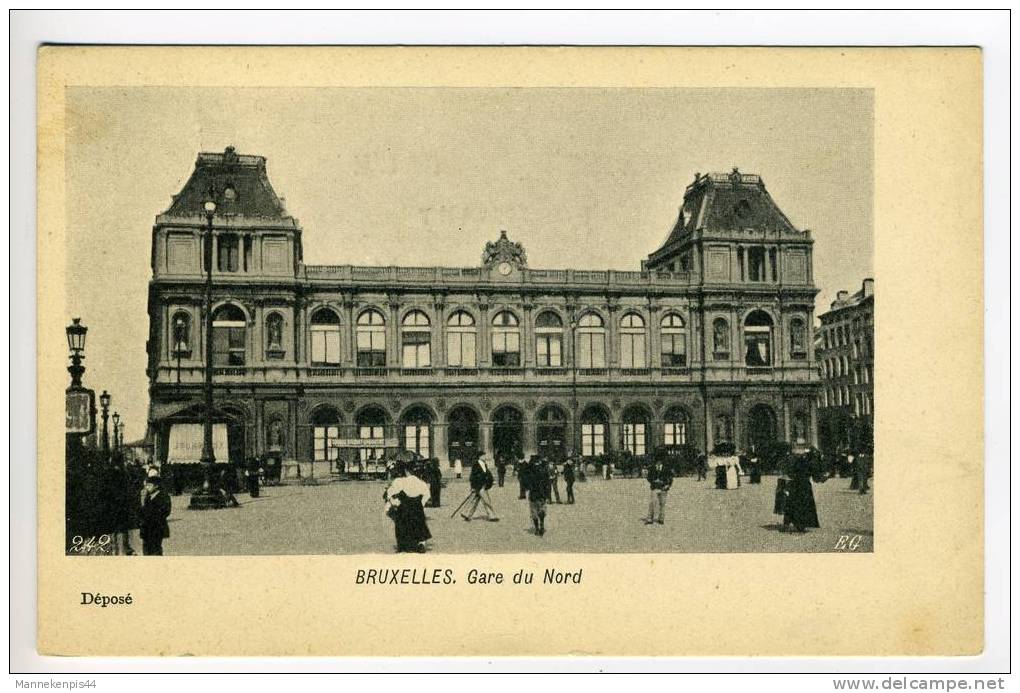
<point x="104" y="403"/>
<point x="116" y="430"/>
<point x="207" y="497"/>
<point x="80" y="401"/>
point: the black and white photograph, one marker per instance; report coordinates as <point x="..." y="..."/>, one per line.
<point x="325" y="321"/>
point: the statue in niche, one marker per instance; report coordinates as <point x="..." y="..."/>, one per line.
<point x="274" y="436"/>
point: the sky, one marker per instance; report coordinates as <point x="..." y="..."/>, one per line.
<point x="583" y="178"/>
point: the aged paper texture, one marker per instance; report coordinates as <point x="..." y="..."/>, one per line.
<point x="916" y="590"/>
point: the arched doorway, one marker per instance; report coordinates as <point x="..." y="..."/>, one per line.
<point x="371" y="425"/>
<point x="551" y="430"/>
<point x="508" y="433"/>
<point x="416" y="431"/>
<point x="462" y="438"/>
<point x="761" y="426"/>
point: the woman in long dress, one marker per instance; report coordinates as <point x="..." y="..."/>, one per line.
<point x="799" y="505"/>
<point x="732" y="472"/>
<point x="405" y="499"/>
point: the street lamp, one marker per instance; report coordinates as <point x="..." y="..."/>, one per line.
<point x="207" y="497"/>
<point x="76" y="343"/>
<point x="116" y="429"/>
<point x="104" y="403"/>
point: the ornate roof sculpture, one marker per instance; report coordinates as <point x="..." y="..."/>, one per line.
<point x="504" y="250"/>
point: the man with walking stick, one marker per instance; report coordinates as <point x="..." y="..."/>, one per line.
<point x="481" y="481"/>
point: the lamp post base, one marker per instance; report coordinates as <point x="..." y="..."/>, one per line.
<point x="206" y="500"/>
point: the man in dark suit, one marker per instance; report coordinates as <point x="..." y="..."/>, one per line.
<point x="481" y="481"/>
<point x="500" y="469"/>
<point x="659" y="481"/>
<point x="568" y="478"/>
<point x="554" y="480"/>
<point x="536" y="482"/>
<point x="154" y="512"/>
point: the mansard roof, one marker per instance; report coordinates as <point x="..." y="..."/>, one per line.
<point x="237" y="183"/>
<point x="726" y="202"/>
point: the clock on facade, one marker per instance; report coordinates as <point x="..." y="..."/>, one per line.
<point x="504" y="268"/>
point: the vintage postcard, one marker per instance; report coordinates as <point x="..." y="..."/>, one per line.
<point x="643" y="339"/>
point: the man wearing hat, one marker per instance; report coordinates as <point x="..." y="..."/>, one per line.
<point x="154" y="512"/>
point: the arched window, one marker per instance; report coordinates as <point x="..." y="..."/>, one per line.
<point x="181" y="335"/>
<point x="798" y="339"/>
<point x="549" y="339"/>
<point x="371" y="332"/>
<point x="229" y="327"/>
<point x="632" y="341"/>
<point x="720" y="339"/>
<point x="460" y="340"/>
<point x="506" y="340"/>
<point x="674" y="341"/>
<point x="325" y="334"/>
<point x="416" y="340"/>
<point x="758" y="339"/>
<point x="371" y="425"/>
<point x="591" y="342"/>
<point x="674" y="426"/>
<point x="274" y="335"/>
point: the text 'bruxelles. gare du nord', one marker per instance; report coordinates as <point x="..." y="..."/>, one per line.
<point x="333" y="365"/>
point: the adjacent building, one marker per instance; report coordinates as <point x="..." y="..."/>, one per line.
<point x="707" y="341"/>
<point x="846" y="363"/>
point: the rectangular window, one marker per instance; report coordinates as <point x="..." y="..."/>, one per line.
<point x="674" y="350"/>
<point x="371" y="348"/>
<point x="756" y="262"/>
<point x="634" y="438"/>
<point x="416" y="439"/>
<point x="325" y="346"/>
<point x="593" y="439"/>
<point x="506" y="349"/>
<point x="247" y="253"/>
<point x="549" y="350"/>
<point x="460" y="350"/>
<point x="416" y="350"/>
<point x="592" y="351"/>
<point x="323" y="437"/>
<point x="632" y="351"/>
<point x="228" y="346"/>
<point x="369" y="455"/>
<point x="226" y="253"/>
<point x="674" y="433"/>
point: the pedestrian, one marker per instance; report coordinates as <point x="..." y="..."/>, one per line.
<point x="702" y="467"/>
<point x="861" y="471"/>
<point x="252" y="476"/>
<point x="523" y="467"/>
<point x="120" y="497"/>
<point x="799" y="505"/>
<point x="155" y="509"/>
<point x="536" y="482"/>
<point x="554" y="481"/>
<point x="568" y="479"/>
<point x="228" y="485"/>
<point x="458" y="467"/>
<point x="481" y="481"/>
<point x="660" y="479"/>
<point x="435" y="478"/>
<point x="855" y="479"/>
<point x="754" y="468"/>
<point x="404" y="501"/>
<point x="500" y="469"/>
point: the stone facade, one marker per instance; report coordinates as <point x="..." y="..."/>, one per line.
<point x="707" y="342"/>
<point x="846" y="363"/>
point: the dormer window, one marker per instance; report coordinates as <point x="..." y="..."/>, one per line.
<point x="227" y="255"/>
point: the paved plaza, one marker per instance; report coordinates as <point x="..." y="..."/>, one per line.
<point x="347" y="518"/>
